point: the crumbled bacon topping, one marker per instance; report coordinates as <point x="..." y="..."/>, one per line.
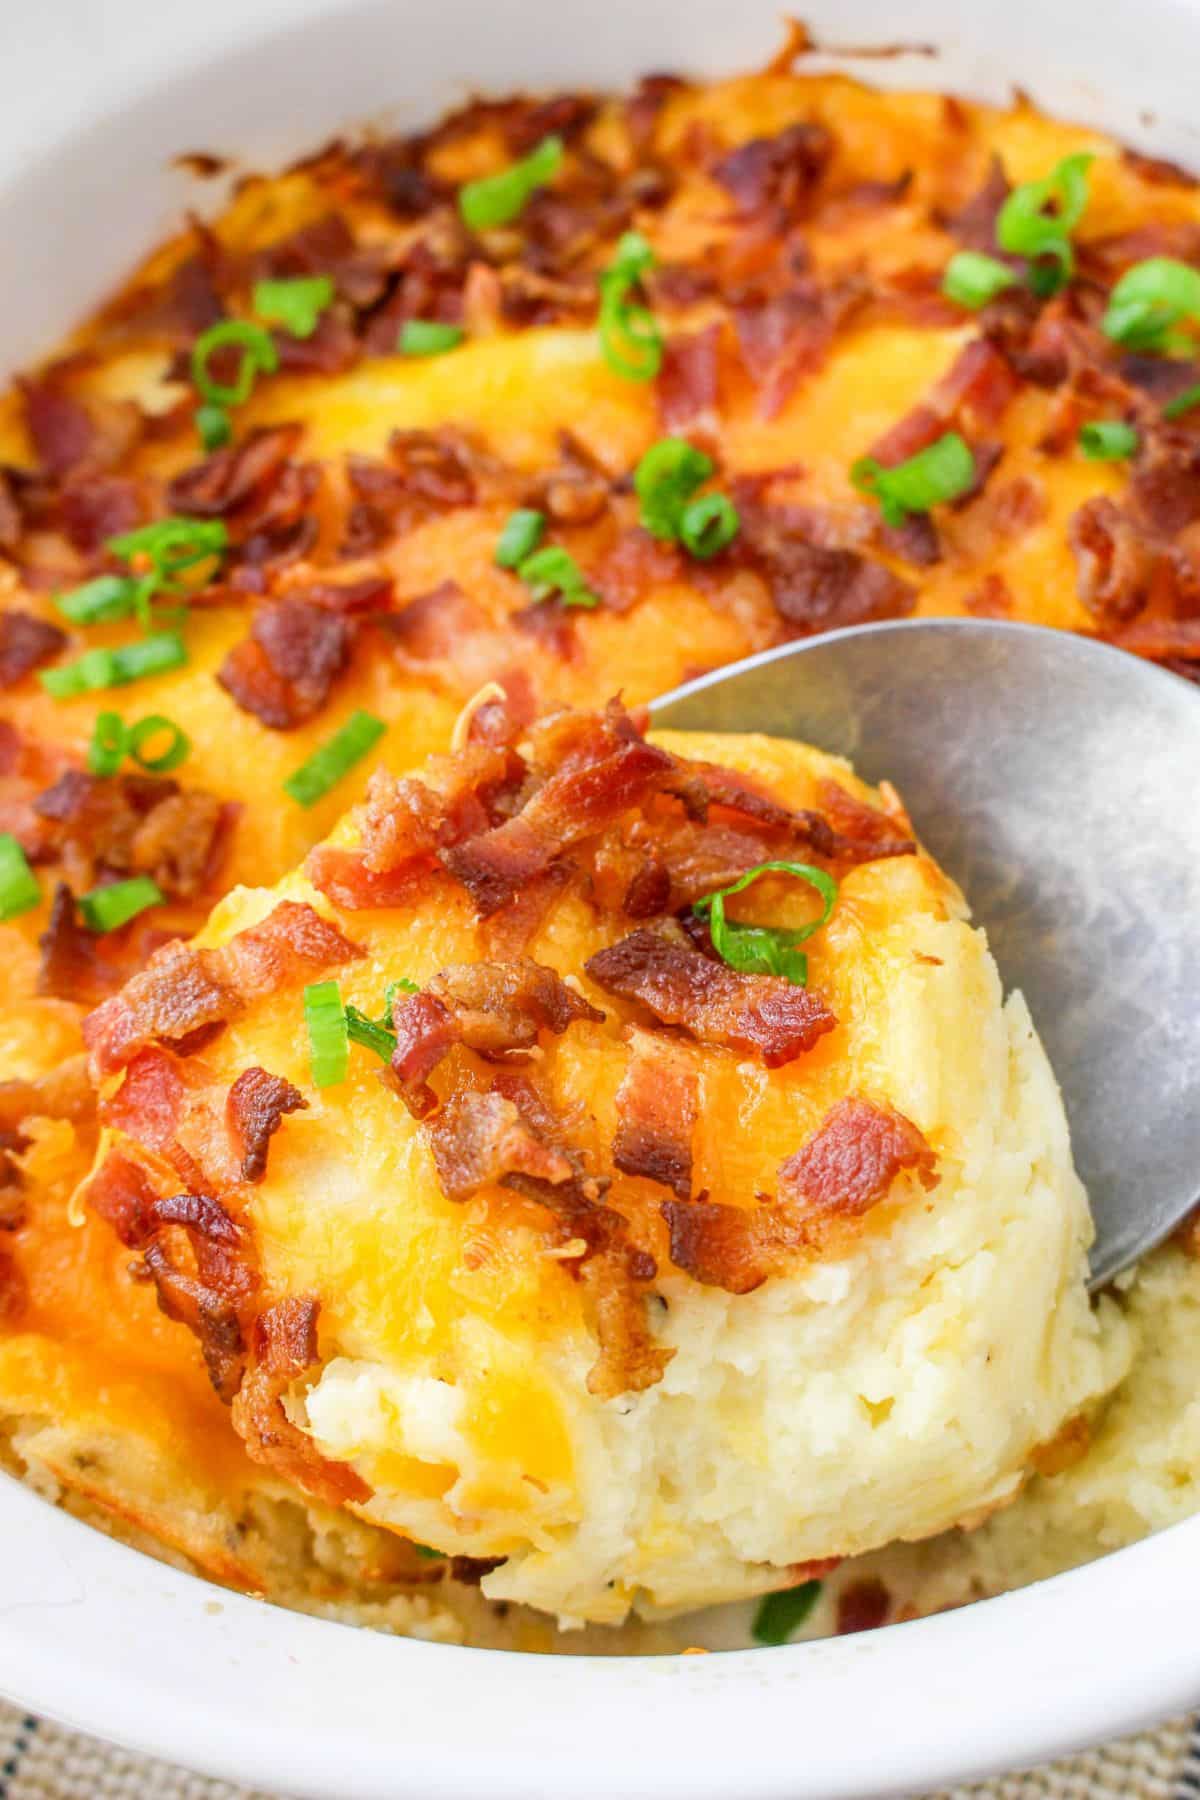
<point x="495" y="1009"/>
<point x="657" y="1107"/>
<point x="134" y="824"/>
<point x="183" y="989"/>
<point x="230" y="479"/>
<point x="257" y="1104"/>
<point x="26" y="642"/>
<point x="284" y="671"/>
<point x="847" y="1167"/>
<point x="777" y="173"/>
<point x="662" y="969"/>
<point x="282" y="1350"/>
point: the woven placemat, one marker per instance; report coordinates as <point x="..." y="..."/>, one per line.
<point x="41" y="1761"/>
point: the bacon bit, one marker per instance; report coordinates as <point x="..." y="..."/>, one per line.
<point x="852" y="1160"/>
<point x="634" y="568"/>
<point x="26" y="642"/>
<point x="780" y="172"/>
<point x="14" y="1294"/>
<point x="645" y="104"/>
<point x="914" y="432"/>
<point x="1164" y="487"/>
<point x="231" y="478"/>
<point x="203" y="1271"/>
<point x="630" y="1361"/>
<point x="687" y="388"/>
<point x="63" y="1092"/>
<point x="661" y="968"/>
<point x="611" y="769"/>
<point x="974" y="225"/>
<point x="1114" y="563"/>
<point x="344" y="877"/>
<point x="500" y="721"/>
<point x="480" y="1140"/>
<point x="97" y="509"/>
<point x="327" y="246"/>
<point x="657" y="1106"/>
<point x="64" y="434"/>
<point x="786" y="336"/>
<point x="495" y="1009"/>
<point x="11" y="523"/>
<point x="443" y="468"/>
<point x="329" y="350"/>
<point x="70" y="968"/>
<point x="283" y="1349"/>
<point x="1162" y="640"/>
<point x="134" y="824"/>
<point x="862" y="1606"/>
<point x="814" y="588"/>
<point x="283" y="672"/>
<point x="869" y="830"/>
<point x="549" y="625"/>
<point x="182" y="988"/>
<point x="256" y="1107"/>
<point x="576" y="490"/>
<point x="846" y="1167"/>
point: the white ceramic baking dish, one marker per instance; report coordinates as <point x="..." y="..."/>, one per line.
<point x="97" y="96"/>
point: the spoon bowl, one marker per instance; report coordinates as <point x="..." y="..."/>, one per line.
<point x="1058" y="781"/>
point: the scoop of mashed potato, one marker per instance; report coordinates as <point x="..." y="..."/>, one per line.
<point x="643" y="1279"/>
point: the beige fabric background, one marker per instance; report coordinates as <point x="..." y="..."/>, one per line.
<point x="39" y="1761"/>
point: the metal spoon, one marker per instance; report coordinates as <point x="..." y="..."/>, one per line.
<point x="1058" y="781"/>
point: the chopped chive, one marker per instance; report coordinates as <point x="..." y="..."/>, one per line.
<point x="500" y="198"/>
<point x="1037" y="219"/>
<point x="665" y="480"/>
<point x="108" y="908"/>
<point x="554" y="571"/>
<point x="428" y="1555"/>
<point x="172" y="545"/>
<point x="972" y="279"/>
<point x="1182" y="403"/>
<point x="941" y="472"/>
<point x="370" y="1033"/>
<point x="782" y="1614"/>
<point x="428" y="337"/>
<point x="295" y="303"/>
<point x="98" y="669"/>
<point x="1107" y="440"/>
<point x="214" y="427"/>
<point x="177" y="750"/>
<point x="100" y="601"/>
<point x="708" y="525"/>
<point x="1149" y="301"/>
<point x="334" y="758"/>
<point x="631" y="341"/>
<point x="110" y="741"/>
<point x="764" y="949"/>
<point x="520" y="538"/>
<point x="19" y="890"/>
<point x="325" y="1022"/>
<point x="258" y="355"/>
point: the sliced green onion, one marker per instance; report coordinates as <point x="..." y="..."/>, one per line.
<point x="1037" y="219"/>
<point x="1149" y="301"/>
<point x="258" y="356"/>
<point x="19" y="891"/>
<point x="665" y="480"/>
<point x="328" y="1043"/>
<point x="108" y="908"/>
<point x="213" y="427"/>
<point x="940" y="472"/>
<point x="172" y="545"/>
<point x="972" y="279"/>
<point x="97" y="669"/>
<point x="708" y="525"/>
<point x="296" y="303"/>
<point x="372" y="1034"/>
<point x="520" y="538"/>
<point x="780" y="1615"/>
<point x="428" y="1555"/>
<point x="554" y="571"/>
<point x="630" y="339"/>
<point x="110" y="741"/>
<point x="498" y="199"/>
<point x="1107" y="440"/>
<point x="1182" y="403"/>
<point x="766" y="949"/>
<point x="334" y="758"/>
<point x="428" y="337"/>
<point x="99" y="602"/>
<point x="177" y="749"/>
